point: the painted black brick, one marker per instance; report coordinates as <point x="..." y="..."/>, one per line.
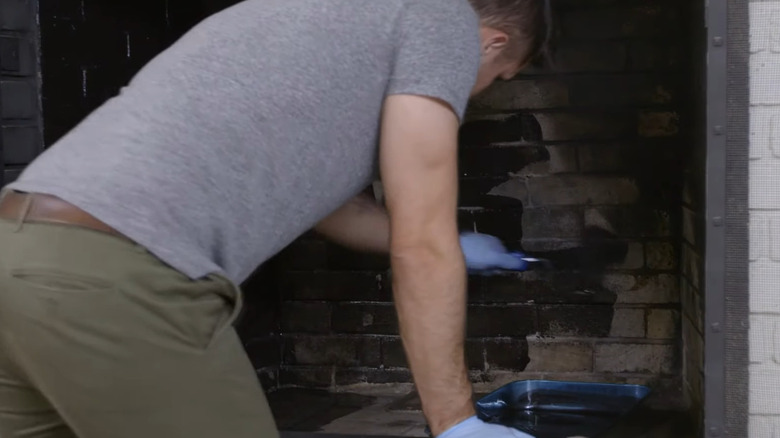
<point x="501" y="320"/>
<point x="575" y="320"/>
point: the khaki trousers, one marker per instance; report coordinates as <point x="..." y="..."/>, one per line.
<point x="99" y="339"/>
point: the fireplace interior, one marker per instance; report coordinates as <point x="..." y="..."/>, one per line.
<point x="595" y="162"/>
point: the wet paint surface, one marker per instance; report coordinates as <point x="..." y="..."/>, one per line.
<point x="547" y="409"/>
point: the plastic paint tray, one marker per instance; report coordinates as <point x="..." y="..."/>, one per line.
<point x="550" y="409"/>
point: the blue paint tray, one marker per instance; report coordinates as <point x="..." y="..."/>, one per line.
<point x="550" y="409"/>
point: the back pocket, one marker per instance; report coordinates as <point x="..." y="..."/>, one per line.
<point x="58" y="281"/>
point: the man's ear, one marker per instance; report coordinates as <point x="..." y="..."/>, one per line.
<point x="494" y="41"/>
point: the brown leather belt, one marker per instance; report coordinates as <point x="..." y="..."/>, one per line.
<point x="49" y="209"/>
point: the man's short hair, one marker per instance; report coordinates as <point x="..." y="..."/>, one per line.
<point x="528" y="21"/>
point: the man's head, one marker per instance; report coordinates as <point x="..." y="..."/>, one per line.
<point x="513" y="33"/>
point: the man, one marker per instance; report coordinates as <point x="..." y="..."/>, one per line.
<point x="120" y="246"/>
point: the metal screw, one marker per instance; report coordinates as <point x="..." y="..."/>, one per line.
<point x="714" y="431"/>
<point x="717" y="221"/>
<point x="715" y="327"/>
<point x="717" y="41"/>
<point x="718" y="129"/>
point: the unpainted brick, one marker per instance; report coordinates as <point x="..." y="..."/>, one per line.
<point x="693" y="346"/>
<point x="582" y="190"/>
<point x="628" y="323"/>
<point x="635" y="358"/>
<point x="643" y="289"/>
<point x="522" y="94"/>
<point x="692" y="304"/>
<point x="575" y="320"/>
<point x="692" y="266"/>
<point x="559" y="355"/>
<point x="692" y="227"/>
<point x="661" y="255"/>
<point x="663" y="323"/>
<point x="658" y="124"/>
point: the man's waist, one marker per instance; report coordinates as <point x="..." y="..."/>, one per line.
<point x="42" y="208"/>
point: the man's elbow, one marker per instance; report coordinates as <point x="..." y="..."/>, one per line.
<point x="425" y="248"/>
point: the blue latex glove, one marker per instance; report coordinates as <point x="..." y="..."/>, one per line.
<point x="486" y="254"/>
<point x="475" y="428"/>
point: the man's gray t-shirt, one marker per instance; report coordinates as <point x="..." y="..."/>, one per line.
<point x="256" y="124"/>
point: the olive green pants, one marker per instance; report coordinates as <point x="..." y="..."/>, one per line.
<point x="99" y="339"/>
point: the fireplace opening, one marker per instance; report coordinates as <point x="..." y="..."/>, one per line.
<point x="597" y="163"/>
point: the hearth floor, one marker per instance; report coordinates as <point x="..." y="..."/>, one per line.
<point x="302" y="413"/>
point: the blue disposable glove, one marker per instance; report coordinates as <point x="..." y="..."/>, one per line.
<point x="485" y="254"/>
<point x="475" y="428"/>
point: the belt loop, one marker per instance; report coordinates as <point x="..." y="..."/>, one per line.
<point x="23" y="214"/>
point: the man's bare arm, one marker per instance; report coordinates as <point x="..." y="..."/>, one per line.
<point x="360" y="224"/>
<point x="418" y="160"/>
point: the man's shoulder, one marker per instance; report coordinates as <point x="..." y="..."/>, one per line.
<point x="435" y="10"/>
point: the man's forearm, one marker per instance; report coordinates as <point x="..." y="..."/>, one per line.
<point x="360" y="224"/>
<point x="430" y="296"/>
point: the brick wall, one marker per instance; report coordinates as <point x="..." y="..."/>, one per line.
<point x="20" y="121"/>
<point x="765" y="220"/>
<point x="599" y="142"/>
